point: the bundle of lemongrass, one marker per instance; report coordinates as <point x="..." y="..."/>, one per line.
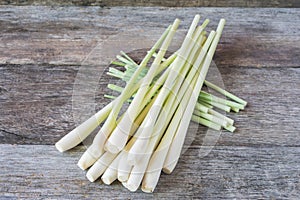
<point x="136" y="145"/>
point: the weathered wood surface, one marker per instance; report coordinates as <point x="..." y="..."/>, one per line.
<point x="168" y="3"/>
<point x="45" y="50"/>
<point x="66" y="35"/>
<point x="38" y="172"/>
<point x="37" y="107"/>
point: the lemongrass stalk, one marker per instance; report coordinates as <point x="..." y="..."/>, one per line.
<point x="97" y="147"/>
<point x="139" y="168"/>
<point x="138" y="149"/>
<point x="124" y="168"/>
<point x="216" y="99"/>
<point x="205" y="104"/>
<point x="235" y="109"/>
<point x="128" y="58"/>
<point x="137" y="173"/>
<point x="230" y="128"/>
<point x="217" y="105"/>
<point x="100" y="166"/>
<point x="206" y="123"/>
<point x="119" y="137"/>
<point x="107" y="158"/>
<point x="219" y="115"/>
<point x="114" y="97"/>
<point x="177" y="143"/>
<point x="212" y="118"/>
<point x="225" y="93"/>
<point x="157" y="159"/>
<point x="78" y="134"/>
<point x="124" y="60"/>
<point x="201" y="107"/>
<point x="118" y="63"/>
<point x="111" y="173"/>
<point x="115" y="88"/>
<point x="110" y="123"/>
<point x="115" y="72"/>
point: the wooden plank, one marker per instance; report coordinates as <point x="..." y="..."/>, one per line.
<point x="168" y="3"/>
<point x="39" y="172"/>
<point x="75" y="35"/>
<point x="37" y="106"/>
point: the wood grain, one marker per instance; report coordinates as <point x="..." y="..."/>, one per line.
<point x="67" y="35"/>
<point x="37" y="103"/>
<point x="168" y="3"/>
<point x="38" y="172"/>
<point x="53" y="62"/>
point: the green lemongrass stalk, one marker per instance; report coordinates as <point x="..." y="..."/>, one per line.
<point x="216" y="99"/>
<point x="206" y="123"/>
<point x="139" y="148"/>
<point x="219" y="115"/>
<point x="124" y="60"/>
<point x="201" y="107"/>
<point x="235" y="109"/>
<point x="118" y="63"/>
<point x="119" y="137"/>
<point x="217" y="105"/>
<point x="230" y="128"/>
<point x="212" y="118"/>
<point x="205" y="104"/>
<point x="225" y="93"/>
<point x="115" y="72"/>
<point x="177" y="143"/>
<point x="97" y="148"/>
<point x="128" y="58"/>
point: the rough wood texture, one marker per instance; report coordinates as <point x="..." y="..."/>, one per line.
<point x="167" y="3"/>
<point x="66" y="35"/>
<point x="46" y="51"/>
<point x="42" y="105"/>
<point x="38" y="172"/>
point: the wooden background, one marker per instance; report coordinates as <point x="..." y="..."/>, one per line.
<point x="42" y="50"/>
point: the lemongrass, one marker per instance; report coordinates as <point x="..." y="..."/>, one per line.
<point x="206" y="123"/>
<point x="157" y="159"/>
<point x="219" y="115"/>
<point x="138" y="149"/>
<point x="214" y="98"/>
<point x="78" y="134"/>
<point x="225" y="93"/>
<point x="118" y="138"/>
<point x="230" y="128"/>
<point x="139" y="168"/>
<point x="217" y="105"/>
<point x="97" y="147"/>
<point x="111" y="173"/>
<point x="212" y="118"/>
<point x="100" y="166"/>
<point x="177" y="143"/>
<point x="201" y="107"/>
<point x="235" y="109"/>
